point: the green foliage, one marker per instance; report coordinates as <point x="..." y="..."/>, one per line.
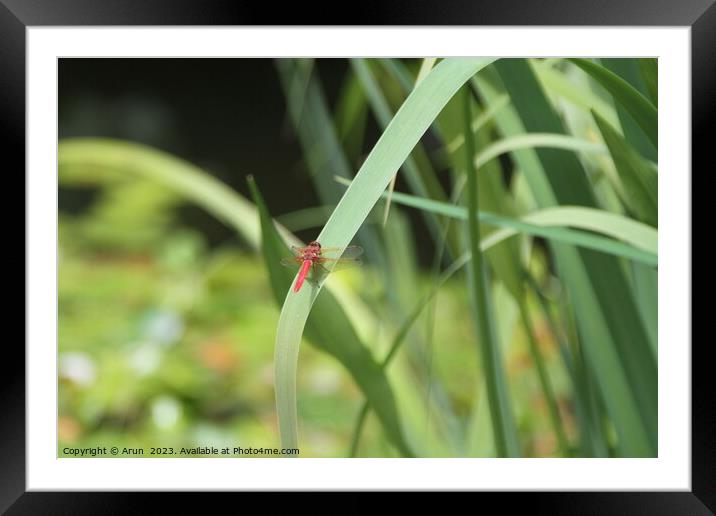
<point x="394" y="146"/>
<point x="639" y="179"/>
<point x="331" y="330"/>
<point x="613" y="337"/>
<point x="536" y="187"/>
<point x="629" y="98"/>
<point x="497" y="393"/>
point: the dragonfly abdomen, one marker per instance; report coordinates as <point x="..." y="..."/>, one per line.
<point x="305" y="267"/>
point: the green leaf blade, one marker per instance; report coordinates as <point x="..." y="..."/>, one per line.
<point x="504" y="433"/>
<point x="402" y="134"/>
<point x="638" y="179"/>
<point x="615" y="342"/>
<point x="638" y="106"/>
<point x="328" y="328"/>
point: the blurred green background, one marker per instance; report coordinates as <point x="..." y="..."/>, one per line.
<point x="167" y="319"/>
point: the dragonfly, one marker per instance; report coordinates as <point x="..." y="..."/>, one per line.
<point x="321" y="260"/>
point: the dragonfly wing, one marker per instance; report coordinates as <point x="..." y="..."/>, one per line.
<point x="352" y="251"/>
<point x="296" y="250"/>
<point x="338" y="264"/>
<point x="292" y="262"/>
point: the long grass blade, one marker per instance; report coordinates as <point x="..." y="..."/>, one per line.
<point x="426" y="65"/>
<point x="424" y="184"/>
<point x="649" y="68"/>
<point x="638" y="177"/>
<point x="639" y="240"/>
<point x="504" y="432"/>
<point x="636" y="104"/>
<point x="330" y="329"/>
<point x="309" y="113"/>
<point x="615" y="341"/>
<point x="351" y="116"/>
<point x="480" y="121"/>
<point x="535" y="140"/>
<point x="402" y="134"/>
<point x="559" y="85"/>
<point x="631" y="71"/>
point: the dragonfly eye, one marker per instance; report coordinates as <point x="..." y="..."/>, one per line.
<point x="315" y="243"/>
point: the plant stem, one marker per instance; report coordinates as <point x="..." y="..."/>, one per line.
<point x="504" y="432"/>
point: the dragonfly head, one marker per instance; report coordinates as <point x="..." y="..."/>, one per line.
<point x="315" y="244"/>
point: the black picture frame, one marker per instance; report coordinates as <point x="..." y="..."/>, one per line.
<point x="17" y="15"/>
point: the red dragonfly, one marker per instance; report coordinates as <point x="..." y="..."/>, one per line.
<point x="321" y="260"/>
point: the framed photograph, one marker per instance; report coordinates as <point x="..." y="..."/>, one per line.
<point x="510" y="198"/>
